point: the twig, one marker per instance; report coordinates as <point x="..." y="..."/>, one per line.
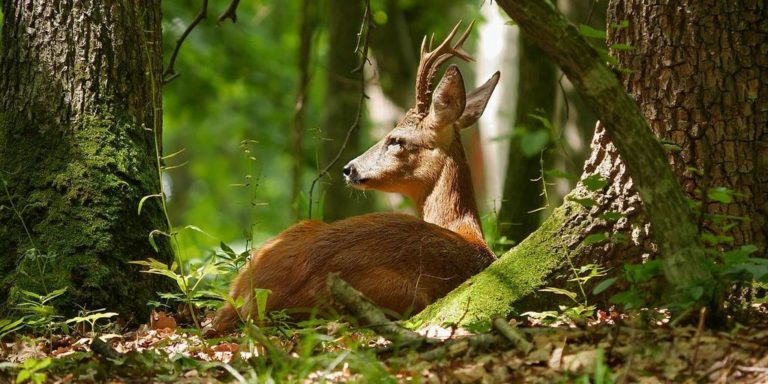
<point x="512" y="335"/>
<point x="699" y="331"/>
<point x="230" y="12"/>
<point x="170" y="72"/>
<point x="365" y="26"/>
<point x="370" y="314"/>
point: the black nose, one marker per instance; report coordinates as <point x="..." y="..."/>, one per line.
<point x="348" y="170"/>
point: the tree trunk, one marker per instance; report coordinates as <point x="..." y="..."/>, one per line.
<point x="80" y="114"/>
<point x="341" y="99"/>
<point x="307" y="24"/>
<point x="536" y="89"/>
<point x="699" y="76"/>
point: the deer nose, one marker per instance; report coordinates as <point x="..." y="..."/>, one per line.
<point x="348" y="170"/>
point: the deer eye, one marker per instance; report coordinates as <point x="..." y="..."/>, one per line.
<point x="395" y="143"/>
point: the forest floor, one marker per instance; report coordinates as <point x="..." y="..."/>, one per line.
<point x="607" y="349"/>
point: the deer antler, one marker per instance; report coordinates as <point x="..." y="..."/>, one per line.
<point x="429" y="63"/>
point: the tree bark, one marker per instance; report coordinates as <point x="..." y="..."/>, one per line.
<point x="698" y="75"/>
<point x="80" y="113"/>
<point x="699" y="72"/>
<point x="341" y="99"/>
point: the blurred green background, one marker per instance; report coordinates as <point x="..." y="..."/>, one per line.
<point x="233" y="106"/>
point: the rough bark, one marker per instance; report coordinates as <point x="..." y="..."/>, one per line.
<point x="699" y="71"/>
<point x="519" y="214"/>
<point x="79" y="102"/>
<point x="698" y="75"/>
<point x="341" y="100"/>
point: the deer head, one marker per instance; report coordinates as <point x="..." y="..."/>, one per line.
<point x="411" y="158"/>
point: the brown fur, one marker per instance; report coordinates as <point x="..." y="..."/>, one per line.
<point x="402" y="263"/>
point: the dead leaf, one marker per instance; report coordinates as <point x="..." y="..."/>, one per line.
<point x="160" y="320"/>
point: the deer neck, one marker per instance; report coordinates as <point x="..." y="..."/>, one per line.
<point x="451" y="202"/>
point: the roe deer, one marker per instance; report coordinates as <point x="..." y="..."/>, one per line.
<point x="400" y="262"/>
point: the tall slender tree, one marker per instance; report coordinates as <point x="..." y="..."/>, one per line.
<point x="80" y="127"/>
<point x="536" y="89"/>
<point x="341" y="103"/>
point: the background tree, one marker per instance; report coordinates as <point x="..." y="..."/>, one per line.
<point x="528" y="156"/>
<point x="695" y="71"/>
<point x="341" y="104"/>
<point x="80" y="123"/>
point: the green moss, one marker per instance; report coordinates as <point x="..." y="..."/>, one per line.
<point x="80" y="186"/>
<point x="516" y="275"/>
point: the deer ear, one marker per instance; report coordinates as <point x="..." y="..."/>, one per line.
<point x="476" y="102"/>
<point x="448" y="99"/>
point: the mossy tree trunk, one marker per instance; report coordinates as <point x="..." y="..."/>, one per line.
<point x="341" y="103"/>
<point x="79" y="111"/>
<point x="698" y="74"/>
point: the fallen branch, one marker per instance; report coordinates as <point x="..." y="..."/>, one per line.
<point x="356" y="304"/>
<point x="518" y="340"/>
<point x="370" y="314"/>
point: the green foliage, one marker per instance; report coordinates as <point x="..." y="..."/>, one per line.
<point x="91" y="318"/>
<point x="38" y="311"/>
<point x="734" y="268"/>
<point x="31" y="371"/>
<point x="190" y="285"/>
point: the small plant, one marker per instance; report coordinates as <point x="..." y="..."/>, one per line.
<point x="90" y="317"/>
<point x="37" y="311"/>
<point x="189" y="284"/>
<point x="31" y="371"/>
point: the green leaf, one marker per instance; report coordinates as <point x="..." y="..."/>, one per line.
<point x="227" y="250"/>
<point x="622" y="47"/>
<point x="23" y="375"/>
<point x="623" y="24"/>
<point x="595" y="238"/>
<point x="590" y="32"/>
<point x="739" y="255"/>
<point x="145" y="198"/>
<point x="92" y="318"/>
<point x="152" y="238"/>
<point x="197" y="229"/>
<point x="603" y="285"/>
<point x="618" y="238"/>
<point x="532" y="143"/>
<point x="543" y="120"/>
<point x="713" y="239"/>
<point x="585" y="202"/>
<point x="720" y="194"/>
<point x="696" y="292"/>
<point x="558" y="174"/>
<point x="559" y="291"/>
<point x="611" y="216"/>
<point x="594" y="183"/>
<point x="261" y="295"/>
<point x="671" y="147"/>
